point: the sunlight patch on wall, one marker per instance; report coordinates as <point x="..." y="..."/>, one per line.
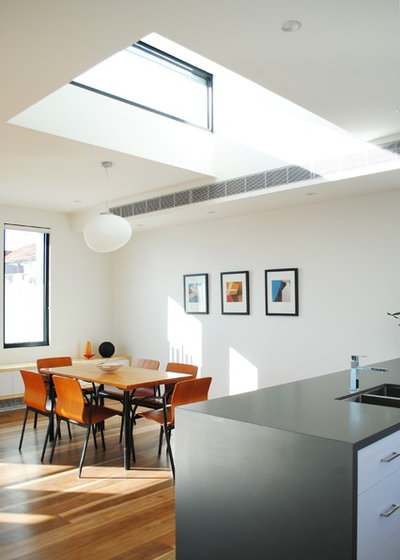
<point x="243" y="375"/>
<point x="185" y="335"/>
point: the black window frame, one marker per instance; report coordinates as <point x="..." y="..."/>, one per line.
<point x="46" y="291"/>
<point x="157" y="53"/>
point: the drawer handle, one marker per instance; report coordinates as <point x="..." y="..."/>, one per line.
<point x="391" y="510"/>
<point x="390" y="457"/>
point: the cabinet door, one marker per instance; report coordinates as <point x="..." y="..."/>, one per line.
<point x="17" y="383"/>
<point x="390" y="550"/>
<point x="6" y="384"/>
<point x="378" y="515"/>
<point x="378" y="460"/>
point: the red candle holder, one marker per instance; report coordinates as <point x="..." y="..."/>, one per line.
<point x="88" y="351"/>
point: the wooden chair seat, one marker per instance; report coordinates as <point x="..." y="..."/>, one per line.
<point x="158" y="416"/>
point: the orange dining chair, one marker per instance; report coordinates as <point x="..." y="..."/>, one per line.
<point x="71" y="405"/>
<point x="52" y="362"/>
<point x="152" y="400"/>
<point x="177" y="367"/>
<point x="184" y="392"/>
<point x="118" y="395"/>
<point x="61" y="361"/>
<point x="36" y="399"/>
<point x="56" y="361"/>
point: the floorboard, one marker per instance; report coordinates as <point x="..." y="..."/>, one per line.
<point x="46" y="512"/>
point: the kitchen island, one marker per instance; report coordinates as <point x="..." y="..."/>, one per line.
<point x="290" y="472"/>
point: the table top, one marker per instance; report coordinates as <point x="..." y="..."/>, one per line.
<point x="126" y="378"/>
<point x="16" y="366"/>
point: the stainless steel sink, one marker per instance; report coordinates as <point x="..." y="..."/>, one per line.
<point x="386" y="390"/>
<point x="383" y="395"/>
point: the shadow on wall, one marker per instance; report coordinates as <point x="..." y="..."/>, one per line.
<point x="185" y="336"/>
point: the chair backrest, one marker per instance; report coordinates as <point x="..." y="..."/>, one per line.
<point x="70" y="401"/>
<point x="182" y="368"/>
<point x="190" y="391"/>
<point x="60" y="361"/>
<point x="145" y="363"/>
<point x="177" y="367"/>
<point x="35" y="394"/>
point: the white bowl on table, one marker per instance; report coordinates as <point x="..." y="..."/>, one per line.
<point x="109" y="367"/>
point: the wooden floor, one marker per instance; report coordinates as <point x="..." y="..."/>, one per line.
<point x="46" y="512"/>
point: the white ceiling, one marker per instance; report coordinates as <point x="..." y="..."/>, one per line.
<point x="342" y="65"/>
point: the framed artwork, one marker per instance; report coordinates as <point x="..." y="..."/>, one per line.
<point x="195" y="293"/>
<point x="281" y="291"/>
<point x="235" y="296"/>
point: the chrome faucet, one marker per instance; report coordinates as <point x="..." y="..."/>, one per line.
<point x="355" y="368"/>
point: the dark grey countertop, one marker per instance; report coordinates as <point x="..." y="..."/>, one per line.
<point x="310" y="407"/>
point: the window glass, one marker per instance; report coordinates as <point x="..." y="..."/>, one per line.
<point x="25" y="282"/>
<point x="154" y="80"/>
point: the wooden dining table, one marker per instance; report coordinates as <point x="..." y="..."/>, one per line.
<point x="126" y="378"/>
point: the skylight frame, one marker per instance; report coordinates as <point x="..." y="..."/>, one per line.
<point x="176" y="64"/>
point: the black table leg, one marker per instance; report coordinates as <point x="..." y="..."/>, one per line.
<point x="127" y="430"/>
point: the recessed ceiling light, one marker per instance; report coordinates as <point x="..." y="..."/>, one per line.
<point x="291" y="25"/>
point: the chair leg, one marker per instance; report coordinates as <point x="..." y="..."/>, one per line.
<point x="35" y="421"/>
<point x="23" y="429"/>
<point x="169" y="451"/>
<point x="94" y="436"/>
<point x="133" y="450"/>
<point x="121" y="430"/>
<point x="94" y="392"/>
<point x="45" y="442"/>
<point x="160" y="440"/>
<point x="69" y="430"/>
<point x="102" y="438"/>
<point x="84" y="451"/>
<point x="132" y="441"/>
<point x="58" y="430"/>
<point x="56" y="435"/>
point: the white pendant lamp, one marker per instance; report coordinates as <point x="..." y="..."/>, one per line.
<point x="107" y="232"/>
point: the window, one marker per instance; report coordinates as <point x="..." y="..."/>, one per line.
<point x="25" y="286"/>
<point x="156" y="81"/>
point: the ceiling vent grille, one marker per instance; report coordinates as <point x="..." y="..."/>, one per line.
<point x="232" y="187"/>
<point x="258" y="181"/>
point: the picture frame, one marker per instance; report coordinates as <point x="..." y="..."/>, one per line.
<point x="281" y="291"/>
<point x="235" y="293"/>
<point x="195" y="293"/>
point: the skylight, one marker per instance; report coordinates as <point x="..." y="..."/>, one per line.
<point x="255" y="129"/>
<point x="154" y="80"/>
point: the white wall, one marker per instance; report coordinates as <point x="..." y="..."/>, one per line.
<point x="80" y="287"/>
<point x="349" y="277"/>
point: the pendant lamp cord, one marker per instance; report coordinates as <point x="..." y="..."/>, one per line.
<point x="107" y="165"/>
